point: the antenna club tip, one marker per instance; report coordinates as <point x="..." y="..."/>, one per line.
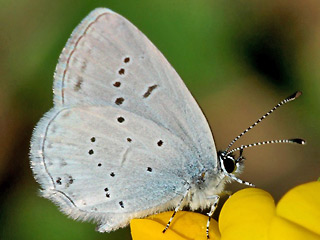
<point x="298" y="94"/>
<point x="295" y="95"/>
<point x="298" y="140"/>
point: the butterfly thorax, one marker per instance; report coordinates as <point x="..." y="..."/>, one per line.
<point x="205" y="187"/>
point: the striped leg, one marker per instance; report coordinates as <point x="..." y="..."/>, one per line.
<point x="239" y="180"/>
<point x="213" y="208"/>
<point x="176" y="210"/>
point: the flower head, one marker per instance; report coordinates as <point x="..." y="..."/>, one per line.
<point x="249" y="214"/>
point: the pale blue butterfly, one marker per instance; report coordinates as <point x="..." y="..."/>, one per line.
<point x="125" y="138"/>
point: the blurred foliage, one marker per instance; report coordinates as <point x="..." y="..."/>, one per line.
<point x="237" y="58"/>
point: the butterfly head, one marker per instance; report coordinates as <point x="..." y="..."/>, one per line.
<point x="229" y="163"/>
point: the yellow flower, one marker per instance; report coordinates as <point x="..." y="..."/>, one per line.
<point x="248" y="214"/>
<point x="185" y="226"/>
<point x="251" y="214"/>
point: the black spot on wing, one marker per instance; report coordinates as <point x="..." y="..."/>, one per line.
<point x="119" y="100"/>
<point x="121" y="119"/>
<point x="71" y="179"/>
<point x="59" y="180"/>
<point x="126" y="60"/>
<point x="77" y="86"/>
<point x="121" y="71"/>
<point x="117" y="84"/>
<point x="149" y="91"/>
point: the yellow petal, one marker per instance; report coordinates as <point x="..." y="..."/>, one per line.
<point x="301" y="205"/>
<point x="147" y="229"/>
<point x="247" y="215"/>
<point x="281" y="229"/>
<point x="185" y="225"/>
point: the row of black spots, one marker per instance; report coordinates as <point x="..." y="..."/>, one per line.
<point x="91" y="151"/>
<point x="108" y="196"/>
<point x="92" y="139"/>
<point x="69" y="181"/>
<point x="58" y="181"/>
<point x="117" y="84"/>
<point x="122" y="71"/>
<point x="107" y="192"/>
<point x="149" y="91"/>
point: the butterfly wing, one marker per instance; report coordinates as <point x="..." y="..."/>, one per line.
<point x="108" y="61"/>
<point x="95" y="166"/>
<point x="124" y="128"/>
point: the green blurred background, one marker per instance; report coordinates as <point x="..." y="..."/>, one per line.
<point x="238" y="58"/>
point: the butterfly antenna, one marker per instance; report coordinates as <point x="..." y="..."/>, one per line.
<point x="295" y="140"/>
<point x="286" y="100"/>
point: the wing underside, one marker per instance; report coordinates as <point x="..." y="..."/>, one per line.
<point x="123" y="130"/>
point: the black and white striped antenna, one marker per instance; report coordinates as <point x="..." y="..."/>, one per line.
<point x="296" y="140"/>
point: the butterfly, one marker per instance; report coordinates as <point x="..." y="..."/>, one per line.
<point x="125" y="138"/>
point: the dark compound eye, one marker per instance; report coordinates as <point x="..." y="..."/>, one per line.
<point x="229" y="164"/>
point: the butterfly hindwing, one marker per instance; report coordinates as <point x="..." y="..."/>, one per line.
<point x="100" y="165"/>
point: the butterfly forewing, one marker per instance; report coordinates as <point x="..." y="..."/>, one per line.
<point x="123" y="130"/>
<point x="108" y="61"/>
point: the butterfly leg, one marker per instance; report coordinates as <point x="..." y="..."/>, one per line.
<point x="213" y="208"/>
<point x="176" y="210"/>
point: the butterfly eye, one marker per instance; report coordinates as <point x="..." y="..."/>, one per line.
<point x="229" y="164"/>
